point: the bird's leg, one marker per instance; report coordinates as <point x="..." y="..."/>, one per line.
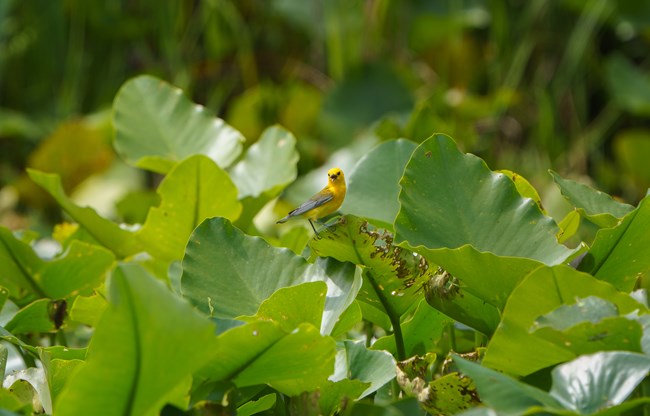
<point x="312" y="227"/>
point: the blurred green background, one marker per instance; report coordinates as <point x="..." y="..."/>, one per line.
<point x="527" y="85"/>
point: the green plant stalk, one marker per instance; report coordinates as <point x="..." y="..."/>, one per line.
<point x="392" y="315"/>
<point x="452" y="337"/>
<point x="368" y="329"/>
<point x="645" y="392"/>
<point x="479" y="339"/>
<point x="27" y="357"/>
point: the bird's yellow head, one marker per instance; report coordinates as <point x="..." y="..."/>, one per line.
<point x="335" y="175"/>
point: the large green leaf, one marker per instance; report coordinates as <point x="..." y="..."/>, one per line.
<point x="591" y="324"/>
<point x="503" y="393"/>
<point x="19" y="265"/>
<point x="354" y="361"/>
<point x="81" y="268"/>
<point x="450" y="199"/>
<point x="373" y="186"/>
<point x="261" y="352"/>
<point x="195" y="189"/>
<point x="595" y="382"/>
<point x="291" y="306"/>
<point x="108" y="234"/>
<point x="487" y="276"/>
<point x="34" y="317"/>
<point x="517" y="350"/>
<point x="445" y="293"/>
<point x="268" y="165"/>
<point x="596" y="206"/>
<point x="335" y="396"/>
<point x="160" y="341"/>
<point x="227" y="273"/>
<point x="298" y="362"/>
<point x="59" y="363"/>
<point x="156" y="126"/>
<point x="394" y="276"/>
<point x="621" y="255"/>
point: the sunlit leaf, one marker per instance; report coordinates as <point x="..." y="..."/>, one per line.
<point x="298" y="362"/>
<point x="596" y="206"/>
<point x="105" y="232"/>
<point x="517" y="350"/>
<point x="146" y="326"/>
<point x="621" y="255"/>
<point x="81" y="268"/>
<point x="373" y="185"/>
<point x="157" y="126"/>
<point x="260" y="352"/>
<point x="268" y="165"/>
<point x="195" y="189"/>
<point x="524" y="187"/>
<point x="356" y="362"/>
<point x="568" y="226"/>
<point x="394" y="275"/>
<point x="450" y="199"/>
<point x="595" y="382"/>
<point x="291" y="306"/>
<point x="227" y="273"/>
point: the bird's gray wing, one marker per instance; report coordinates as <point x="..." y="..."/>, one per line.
<point x="314" y="202"/>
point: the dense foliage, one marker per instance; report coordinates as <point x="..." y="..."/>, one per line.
<point x="191" y="311"/>
<point x="141" y="269"/>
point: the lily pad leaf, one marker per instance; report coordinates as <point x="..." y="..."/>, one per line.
<point x="621" y="255"/>
<point x="373" y="185"/>
<point x="291" y="306"/>
<point x="260" y="352"/>
<point x="355" y="362"/>
<point x="268" y="165"/>
<point x="195" y="189"/>
<point x="560" y="285"/>
<point x="596" y="206"/>
<point x="156" y="126"/>
<point x="108" y="234"/>
<point x="251" y="270"/>
<point x="142" y="321"/>
<point x="592" y="383"/>
<point x="450" y="199"/>
<point x="394" y="275"/>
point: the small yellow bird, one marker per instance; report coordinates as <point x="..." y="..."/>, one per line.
<point x="324" y="203"/>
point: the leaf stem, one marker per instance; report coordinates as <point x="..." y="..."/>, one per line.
<point x="452" y="337"/>
<point x="27" y="358"/>
<point x="392" y="315"/>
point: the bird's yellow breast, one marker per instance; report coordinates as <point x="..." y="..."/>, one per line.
<point x="335" y="187"/>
